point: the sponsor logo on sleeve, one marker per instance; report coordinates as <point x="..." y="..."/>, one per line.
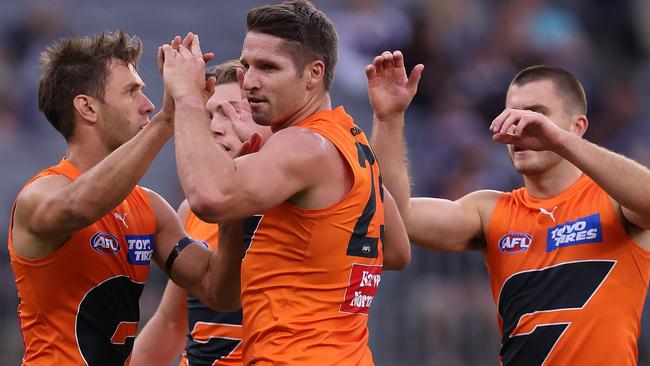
<point x="515" y="242"/>
<point x="584" y="230"/>
<point x="104" y="243"/>
<point x="140" y="248"/>
<point x="362" y="287"/>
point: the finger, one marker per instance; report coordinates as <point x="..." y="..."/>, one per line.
<point x="378" y="63"/>
<point x="184" y="51"/>
<point x="168" y="54"/>
<point x="414" y="78"/>
<point x="498" y="121"/>
<point x="255" y="141"/>
<point x="240" y="81"/>
<point x="196" y="46"/>
<point x="210" y="85"/>
<point x="512" y="119"/>
<point x="208" y="56"/>
<point x="229" y="111"/>
<point x="370" y="72"/>
<point x="187" y="41"/>
<point x="160" y="59"/>
<point x="244" y="149"/>
<point x="398" y="60"/>
<point x="388" y="61"/>
<point x="505" y="139"/>
<point x="521" y="126"/>
<point x="176" y="42"/>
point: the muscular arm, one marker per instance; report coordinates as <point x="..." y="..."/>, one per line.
<point x="163" y="337"/>
<point x="202" y="272"/>
<point x="625" y="180"/>
<point x="390" y="92"/>
<point x="219" y="188"/>
<point x="397" y="249"/>
<point x="451" y="226"/>
<point x="49" y="210"/>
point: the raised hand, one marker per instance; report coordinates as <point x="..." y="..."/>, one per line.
<point x="389" y="89"/>
<point x="528" y="130"/>
<point x="184" y="68"/>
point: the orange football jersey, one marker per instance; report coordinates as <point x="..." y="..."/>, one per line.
<point x="568" y="281"/>
<point x="79" y="305"/>
<point x="309" y="276"/>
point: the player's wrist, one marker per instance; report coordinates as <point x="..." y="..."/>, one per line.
<point x="393" y="120"/>
<point x="566" y="143"/>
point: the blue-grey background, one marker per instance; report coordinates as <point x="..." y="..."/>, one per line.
<point x="438" y="311"/>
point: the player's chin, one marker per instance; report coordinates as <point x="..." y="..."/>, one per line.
<point x="261" y="118"/>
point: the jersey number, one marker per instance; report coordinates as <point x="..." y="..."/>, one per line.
<point x="360" y="244"/>
<point x="567" y="286"/>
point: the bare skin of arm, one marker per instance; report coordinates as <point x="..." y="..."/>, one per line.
<point x="163" y="337"/>
<point x="203" y="273"/>
<point x="390" y="92"/>
<point x="535" y="131"/>
<point x="397" y="249"/>
<point x="433" y="223"/>
<point x="451" y="226"/>
<point x="253" y="183"/>
<point x="52" y="208"/>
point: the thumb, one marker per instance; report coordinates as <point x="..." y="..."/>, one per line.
<point x="414" y="78"/>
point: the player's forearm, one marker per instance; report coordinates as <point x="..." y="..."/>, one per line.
<point x="108" y="183"/>
<point x="625" y="180"/>
<point x="225" y="267"/>
<point x="397" y="249"/>
<point x="159" y="342"/>
<point x="388" y="143"/>
<point x="204" y="169"/>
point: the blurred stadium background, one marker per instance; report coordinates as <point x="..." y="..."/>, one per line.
<point x="439" y="311"/>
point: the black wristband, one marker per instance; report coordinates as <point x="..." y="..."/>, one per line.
<point x="176" y="250"/>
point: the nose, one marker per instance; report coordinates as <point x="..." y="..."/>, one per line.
<point x="250" y="80"/>
<point x="147" y="106"/>
<point x="216" y="126"/>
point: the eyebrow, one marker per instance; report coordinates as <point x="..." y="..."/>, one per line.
<point x="134" y="84"/>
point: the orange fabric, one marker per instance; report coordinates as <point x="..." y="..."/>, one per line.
<point x="214" y="336"/>
<point x="83" y="298"/>
<point x="564" y="273"/>
<point x="307" y="282"/>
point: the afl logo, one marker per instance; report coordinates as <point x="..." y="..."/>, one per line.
<point x="514" y="242"/>
<point x="105" y="243"/>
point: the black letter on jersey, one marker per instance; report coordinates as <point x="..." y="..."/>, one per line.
<point x="101" y="312"/>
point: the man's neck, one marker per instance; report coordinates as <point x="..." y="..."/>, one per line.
<point x="87" y="153"/>
<point x="552" y="182"/>
<point x="319" y="103"/>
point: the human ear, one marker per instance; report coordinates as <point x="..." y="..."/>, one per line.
<point x="579" y="124"/>
<point x="315" y="73"/>
<point x="86" y="107"/>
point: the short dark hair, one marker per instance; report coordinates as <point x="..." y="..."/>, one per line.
<point x="566" y="85"/>
<point x="225" y="72"/>
<point x="308" y="33"/>
<point x="80" y="65"/>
